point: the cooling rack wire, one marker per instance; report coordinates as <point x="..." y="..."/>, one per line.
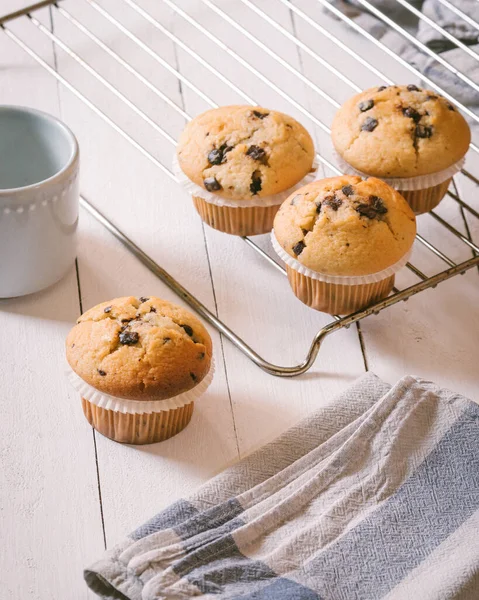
<point x="63" y="8"/>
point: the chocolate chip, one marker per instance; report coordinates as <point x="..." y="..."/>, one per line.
<point x="143" y="299"/>
<point x="257" y="153"/>
<point x="193" y="376"/>
<point x="107" y="309"/>
<point x="260" y="115"/>
<point x="100" y="372"/>
<point x="255" y="185"/>
<point x="378" y="204"/>
<point x="207" y="134"/>
<point x="299" y="247"/>
<point x="333" y="201"/>
<point x="126" y="320"/>
<point x="212" y="184"/>
<point x="215" y="157"/>
<point x="201" y="355"/>
<point x="450" y="107"/>
<point x="152" y="309"/>
<point x="431" y="97"/>
<point x="365" y="210"/>
<point x="318" y="207"/>
<point x="413" y="88"/>
<point x="128" y="338"/>
<point x="366" y="105"/>
<point x="73" y="345"/>
<point x="373" y="208"/>
<point x="295" y="200"/>
<point x="423" y="131"/>
<point x="188" y="330"/>
<point x="411" y="113"/>
<point x="382" y="87"/>
<point x="347" y="190"/>
<point x="218" y="155"/>
<point x="369" y="124"/>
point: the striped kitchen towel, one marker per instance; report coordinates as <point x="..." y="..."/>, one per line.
<point x="375" y="496"/>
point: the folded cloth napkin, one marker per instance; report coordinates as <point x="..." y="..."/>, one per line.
<point x="374" y="496"/>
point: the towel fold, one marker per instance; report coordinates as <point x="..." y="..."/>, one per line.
<point x="374" y="496"/>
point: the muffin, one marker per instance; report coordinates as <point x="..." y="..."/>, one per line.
<point x="412" y="138"/>
<point x="343" y="239"/>
<point x="139" y="364"/>
<point x="240" y="162"/>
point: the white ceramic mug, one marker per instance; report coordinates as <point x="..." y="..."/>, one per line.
<point x="39" y="167"/>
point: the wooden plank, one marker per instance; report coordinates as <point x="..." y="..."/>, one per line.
<point x="49" y="501"/>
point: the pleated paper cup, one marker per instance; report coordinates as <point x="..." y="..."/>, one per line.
<point x="142" y="428"/>
<point x="251" y="216"/>
<point x="137" y="421"/>
<point x="422" y="193"/>
<point x="238" y="220"/>
<point x="337" y="294"/>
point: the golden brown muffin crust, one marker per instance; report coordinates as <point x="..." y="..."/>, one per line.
<point x="139" y="348"/>
<point x="241" y="152"/>
<point x="400" y="131"/>
<point x="346" y="226"/>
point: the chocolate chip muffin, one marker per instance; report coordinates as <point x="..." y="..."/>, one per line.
<point x="240" y="161"/>
<point x="342" y="239"/>
<point x="411" y="137"/>
<point x="145" y="351"/>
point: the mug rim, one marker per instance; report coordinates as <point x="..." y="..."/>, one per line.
<point x="57" y="123"/>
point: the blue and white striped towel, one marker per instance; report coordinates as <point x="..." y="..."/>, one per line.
<point x="376" y="496"/>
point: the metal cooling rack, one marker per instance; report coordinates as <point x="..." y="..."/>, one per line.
<point x="338" y="322"/>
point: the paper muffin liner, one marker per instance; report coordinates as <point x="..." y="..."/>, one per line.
<point x="420" y="182"/>
<point x="334" y="298"/>
<point x="338" y="279"/>
<point x="138" y="429"/>
<point x="422" y="201"/>
<point x="139" y="407"/>
<point x="249" y="220"/>
<point x="274" y="200"/>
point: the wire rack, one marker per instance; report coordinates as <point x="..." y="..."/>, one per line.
<point x="452" y="267"/>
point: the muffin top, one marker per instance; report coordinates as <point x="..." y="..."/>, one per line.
<point x="240" y="152"/>
<point x="400" y="131"/>
<point x="346" y="226"/>
<point x="139" y="348"/>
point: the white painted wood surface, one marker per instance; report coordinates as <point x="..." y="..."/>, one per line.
<point x="66" y="491"/>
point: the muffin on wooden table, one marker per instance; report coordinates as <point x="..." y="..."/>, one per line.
<point x="343" y="239"/>
<point x="240" y="162"/>
<point x="139" y="364"/>
<point x="414" y="139"/>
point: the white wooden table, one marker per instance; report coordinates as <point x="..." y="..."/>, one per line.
<point x="67" y="492"/>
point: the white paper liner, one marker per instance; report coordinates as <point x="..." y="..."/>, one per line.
<point x="420" y="182"/>
<point x="139" y="407"/>
<point x="338" y="279"/>
<point x="195" y="190"/>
